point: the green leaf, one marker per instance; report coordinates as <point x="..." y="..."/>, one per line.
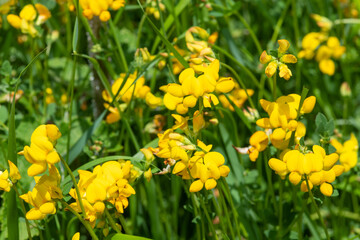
<point x="78" y="147"/>
<point x="4" y="115"/>
<point x="75" y="35"/>
<point x="120" y="236"/>
<point x="6" y="68"/>
<point x="320" y="122"/>
<point x="330" y="127"/>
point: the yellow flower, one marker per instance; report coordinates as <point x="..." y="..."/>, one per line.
<point x="181" y="97"/>
<point x="76" y="236"/>
<point x="348" y="152"/>
<point x="14" y="172"/>
<point x="107" y="182"/>
<point x="43" y="194"/>
<point x="316" y="167"/>
<point x="6" y="5"/>
<point x="41" y="152"/>
<point x="259" y="142"/>
<point x="265" y="58"/>
<point x="93" y="8"/>
<point x="27" y="16"/>
<point x="198" y="121"/>
<point x="5" y="184"/>
<point x="283" y="45"/>
<point x="148" y="175"/>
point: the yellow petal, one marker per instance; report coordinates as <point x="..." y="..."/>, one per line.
<point x="265" y="58"/>
<point x="190" y="101"/>
<point x="326" y="189"/>
<point x="225" y="85"/>
<point x="14" y="20"/>
<point x="210" y="184"/>
<point x="37" y="168"/>
<point x="196" y="186"/>
<point x="76" y="236"/>
<point x="179" y="166"/>
<point x="53" y="157"/>
<point x="277" y="165"/>
<point x="283" y="45"/>
<point x="295" y="178"/>
<point x="35" y="214"/>
<point x="330" y="160"/>
<point x="48" y="208"/>
<point x="308" y="105"/>
<point x="28" y="13"/>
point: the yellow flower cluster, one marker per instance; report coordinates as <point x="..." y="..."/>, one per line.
<point x="198" y="53"/>
<point x="107" y="183"/>
<point x="311" y="45"/>
<point x="279" y="62"/>
<point x="29" y="16"/>
<point x="315" y="167"/>
<point x="152" y="9"/>
<point x="42" y="152"/>
<point x="43" y="195"/>
<point x="132" y="88"/>
<point x="238" y="96"/>
<point x="190" y="161"/>
<point x="5" y="182"/>
<point x="198" y="42"/>
<point x="93" y="8"/>
<point x="348" y="152"/>
<point x="282" y="120"/>
<point x="181" y="97"/>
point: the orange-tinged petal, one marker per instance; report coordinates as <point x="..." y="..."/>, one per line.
<point x="283" y="45"/>
<point x="265" y="58"/>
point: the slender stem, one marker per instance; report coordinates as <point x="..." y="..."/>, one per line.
<point x="111" y="221"/>
<point x="24" y="211"/>
<point x="317" y="208"/>
<point x="226" y="191"/>
<point x="79" y="198"/>
<point x="281" y="195"/>
<point x="211" y="224"/>
<point x="347" y="21"/>
<point x="85" y="223"/>
<point x="196" y="213"/>
<point x="118" y="46"/>
<point x="71" y="93"/>
<point x="270" y="183"/>
<point x="122" y="221"/>
<point x="229" y="223"/>
<point x="248" y="72"/>
<point x="251" y="32"/>
<point x="240" y="81"/>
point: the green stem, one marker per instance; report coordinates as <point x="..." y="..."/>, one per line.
<point x="270" y="183"/>
<point x="196" y="213"/>
<point x="212" y="228"/>
<point x="122" y="221"/>
<point x="240" y="81"/>
<point x="251" y="32"/>
<point x="281" y="195"/>
<point x="24" y="211"/>
<point x="247" y="71"/>
<point x="71" y="93"/>
<point x="85" y="223"/>
<point x="118" y="46"/>
<point x="226" y="191"/>
<point x="347" y="21"/>
<point x="279" y="23"/>
<point x="111" y="221"/>
<point x="79" y="197"/>
<point x="316" y="208"/>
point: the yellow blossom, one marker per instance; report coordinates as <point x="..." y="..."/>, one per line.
<point x="42" y="152"/>
<point x="348" y="152"/>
